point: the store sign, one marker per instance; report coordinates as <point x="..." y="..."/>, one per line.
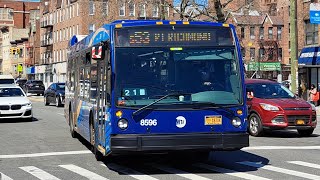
<point x="315" y="12"/>
<point x="264" y="66"/>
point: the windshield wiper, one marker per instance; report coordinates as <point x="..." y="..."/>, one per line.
<point x="158" y="100"/>
<point x="214" y="105"/>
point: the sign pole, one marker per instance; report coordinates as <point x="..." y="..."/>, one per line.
<point x="293" y="44"/>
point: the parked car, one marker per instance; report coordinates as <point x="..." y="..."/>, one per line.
<point x="6" y="79"/>
<point x="273" y="106"/>
<point x="55" y="94"/>
<point x="14" y="103"/>
<point x="21" y="82"/>
<point x="34" y="87"/>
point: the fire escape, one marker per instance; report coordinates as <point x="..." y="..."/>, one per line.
<point x="46" y="37"/>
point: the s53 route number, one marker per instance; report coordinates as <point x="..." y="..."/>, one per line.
<point x="148" y="122"/>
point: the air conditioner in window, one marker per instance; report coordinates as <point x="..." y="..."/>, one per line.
<point x="251" y="58"/>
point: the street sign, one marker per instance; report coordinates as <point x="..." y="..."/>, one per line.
<point x="264" y="66"/>
<point x="315" y="12"/>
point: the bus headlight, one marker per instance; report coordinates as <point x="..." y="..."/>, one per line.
<point x="123" y="124"/>
<point x="236" y="122"/>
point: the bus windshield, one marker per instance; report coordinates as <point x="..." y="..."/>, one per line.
<point x="200" y="74"/>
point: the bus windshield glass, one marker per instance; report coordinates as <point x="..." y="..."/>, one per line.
<point x="200" y="74"/>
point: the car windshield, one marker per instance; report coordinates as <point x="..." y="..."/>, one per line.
<point x="37" y="82"/>
<point x="11" y="92"/>
<point x="206" y="74"/>
<point x="6" y="81"/>
<point x="269" y="90"/>
<point x="61" y="86"/>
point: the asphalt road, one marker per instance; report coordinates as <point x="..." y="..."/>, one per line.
<point x="43" y="149"/>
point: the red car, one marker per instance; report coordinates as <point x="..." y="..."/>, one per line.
<point x="273" y="106"/>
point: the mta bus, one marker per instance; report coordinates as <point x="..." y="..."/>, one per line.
<point x="151" y="86"/>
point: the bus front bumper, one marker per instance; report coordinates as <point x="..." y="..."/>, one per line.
<point x="171" y="142"/>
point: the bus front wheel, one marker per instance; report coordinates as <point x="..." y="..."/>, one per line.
<point x="98" y="155"/>
<point x="71" y="124"/>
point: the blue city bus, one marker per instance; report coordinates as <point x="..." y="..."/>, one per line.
<point x="151" y="86"/>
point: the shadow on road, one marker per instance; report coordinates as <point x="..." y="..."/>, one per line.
<point x="149" y="163"/>
<point x="18" y="120"/>
<point x="285" y="134"/>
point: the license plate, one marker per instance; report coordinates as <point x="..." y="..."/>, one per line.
<point x="213" y="120"/>
<point x="300" y="122"/>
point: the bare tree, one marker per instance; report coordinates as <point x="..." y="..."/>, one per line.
<point x="201" y="9"/>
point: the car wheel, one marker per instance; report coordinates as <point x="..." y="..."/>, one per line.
<point x="255" y="125"/>
<point x="72" y="131"/>
<point x="46" y="103"/>
<point x="305" y="132"/>
<point x="58" y="101"/>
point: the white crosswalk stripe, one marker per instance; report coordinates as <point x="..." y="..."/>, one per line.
<point x="230" y="172"/>
<point x="4" y="177"/>
<point x="281" y="170"/>
<point x="301" y="163"/>
<point x="83" y="172"/>
<point x="180" y="173"/>
<point x="40" y="174"/>
<point x="128" y="171"/>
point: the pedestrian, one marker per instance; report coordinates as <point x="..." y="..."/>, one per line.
<point x="313" y="95"/>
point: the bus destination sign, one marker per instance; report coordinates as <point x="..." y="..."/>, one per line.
<point x="150" y="36"/>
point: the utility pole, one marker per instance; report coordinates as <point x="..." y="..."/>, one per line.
<point x="293" y="44"/>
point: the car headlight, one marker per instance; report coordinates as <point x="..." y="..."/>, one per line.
<point x="236" y="122"/>
<point x="27" y="104"/>
<point x="269" y="107"/>
<point x="123" y="124"/>
<point x="313" y="107"/>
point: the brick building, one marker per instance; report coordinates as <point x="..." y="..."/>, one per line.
<point x="62" y="19"/>
<point x="14" y="17"/>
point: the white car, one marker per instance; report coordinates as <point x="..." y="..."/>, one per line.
<point x="14" y="103"/>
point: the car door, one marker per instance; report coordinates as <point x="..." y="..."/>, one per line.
<point x="49" y="94"/>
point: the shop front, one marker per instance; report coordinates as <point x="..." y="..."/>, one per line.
<point x="30" y="71"/>
<point x="309" y="70"/>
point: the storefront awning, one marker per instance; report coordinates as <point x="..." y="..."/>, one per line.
<point x="309" y="56"/>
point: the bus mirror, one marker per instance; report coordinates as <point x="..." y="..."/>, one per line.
<point x="98" y="52"/>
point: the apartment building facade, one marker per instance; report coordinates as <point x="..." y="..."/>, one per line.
<point x="15" y="16"/>
<point x="61" y="20"/>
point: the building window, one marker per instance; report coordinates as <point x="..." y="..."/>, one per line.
<point x="6" y="14"/>
<point x="270" y="33"/>
<point x="77" y="9"/>
<point x="242" y="33"/>
<point x="252" y="53"/>
<point x="243" y="52"/>
<point x="261" y="53"/>
<point x="279" y="33"/>
<point x="91" y="7"/>
<point x="122" y="9"/>
<point x="70" y="12"/>
<point x="142" y="10"/>
<point x="105" y="7"/>
<point x="252" y="36"/>
<point x="131" y="8"/>
<point x="261" y="33"/>
<point x="155" y="10"/>
<point x="91" y="28"/>
<point x="280" y="54"/>
<point x="311" y="31"/>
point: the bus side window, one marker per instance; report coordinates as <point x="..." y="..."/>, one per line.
<point x="87" y="83"/>
<point x="94" y="83"/>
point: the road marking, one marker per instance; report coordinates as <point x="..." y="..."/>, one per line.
<point x="44" y="154"/>
<point x="230" y="172"/>
<point x="40" y="174"/>
<point x="301" y="163"/>
<point x="280" y="170"/>
<point x="133" y="173"/>
<point x="60" y="114"/>
<point x="83" y="172"/>
<point x="178" y="172"/>
<point x="4" y="177"/>
<point x="282" y="148"/>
